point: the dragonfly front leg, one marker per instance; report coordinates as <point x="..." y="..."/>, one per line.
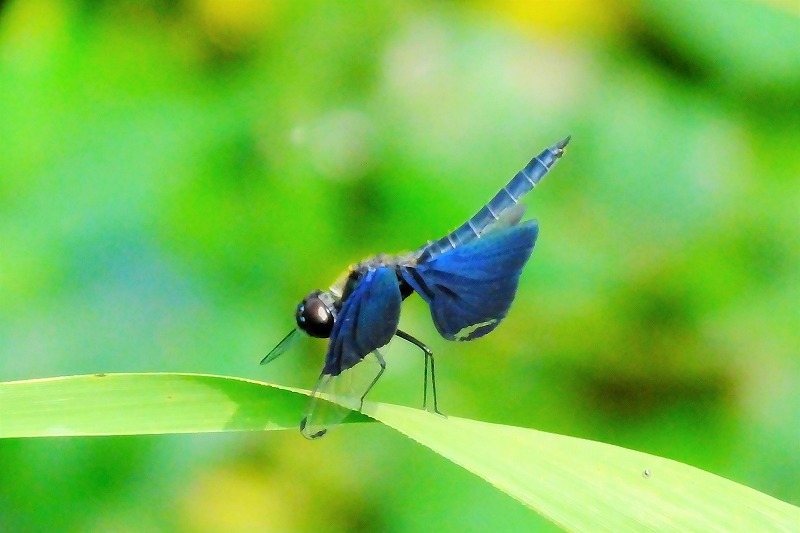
<point x="381" y="362"/>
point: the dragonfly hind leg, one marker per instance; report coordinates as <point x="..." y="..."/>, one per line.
<point x="428" y="357"/>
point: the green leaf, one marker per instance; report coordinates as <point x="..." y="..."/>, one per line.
<point x="136" y="404"/>
<point x="579" y="484"/>
<point x="583" y="485"/>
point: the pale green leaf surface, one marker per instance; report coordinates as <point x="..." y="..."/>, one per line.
<point x="578" y="484"/>
<point x="584" y="485"/>
<point x="135" y="404"/>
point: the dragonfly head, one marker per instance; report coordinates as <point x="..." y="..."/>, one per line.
<point x="316" y="314"/>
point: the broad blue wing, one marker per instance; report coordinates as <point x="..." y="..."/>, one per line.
<point x="367" y="320"/>
<point x="470" y="288"/>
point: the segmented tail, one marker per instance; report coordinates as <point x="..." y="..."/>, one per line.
<point x="525" y="180"/>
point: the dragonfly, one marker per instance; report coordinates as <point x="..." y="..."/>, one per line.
<point x="468" y="278"/>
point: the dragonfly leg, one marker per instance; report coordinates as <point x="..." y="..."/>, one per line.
<point x="381" y="362"/>
<point x="428" y="357"/>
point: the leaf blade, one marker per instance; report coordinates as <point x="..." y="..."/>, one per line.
<point x="138" y="404"/>
<point x="578" y="484"/>
<point x="590" y="486"/>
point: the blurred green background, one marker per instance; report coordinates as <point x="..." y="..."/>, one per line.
<point x="176" y="176"/>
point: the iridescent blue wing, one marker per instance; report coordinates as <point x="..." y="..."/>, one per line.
<point x="470" y="288"/>
<point x="367" y="320"/>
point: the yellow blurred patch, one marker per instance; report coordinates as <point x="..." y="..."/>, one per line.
<point x="232" y="499"/>
<point x="31" y="30"/>
<point x="596" y="17"/>
<point x="233" y="22"/>
<point x="792" y="6"/>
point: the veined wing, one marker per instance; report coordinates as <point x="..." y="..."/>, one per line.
<point x="470" y="288"/>
<point x="367" y="321"/>
<point x="345" y="393"/>
<point x="282" y="347"/>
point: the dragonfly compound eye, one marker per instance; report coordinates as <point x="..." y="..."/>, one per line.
<point x="315" y="315"/>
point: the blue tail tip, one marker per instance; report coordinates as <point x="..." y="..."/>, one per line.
<point x="558" y="149"/>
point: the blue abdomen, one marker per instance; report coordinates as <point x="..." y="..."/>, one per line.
<point x="501" y="206"/>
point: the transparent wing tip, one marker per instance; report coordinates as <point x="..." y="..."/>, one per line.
<point x="308" y="433"/>
<point x="287" y="342"/>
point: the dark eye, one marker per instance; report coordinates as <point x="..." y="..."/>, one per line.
<point x="314" y="316"/>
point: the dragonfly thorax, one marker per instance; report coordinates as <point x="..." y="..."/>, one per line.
<point x="316" y="314"/>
